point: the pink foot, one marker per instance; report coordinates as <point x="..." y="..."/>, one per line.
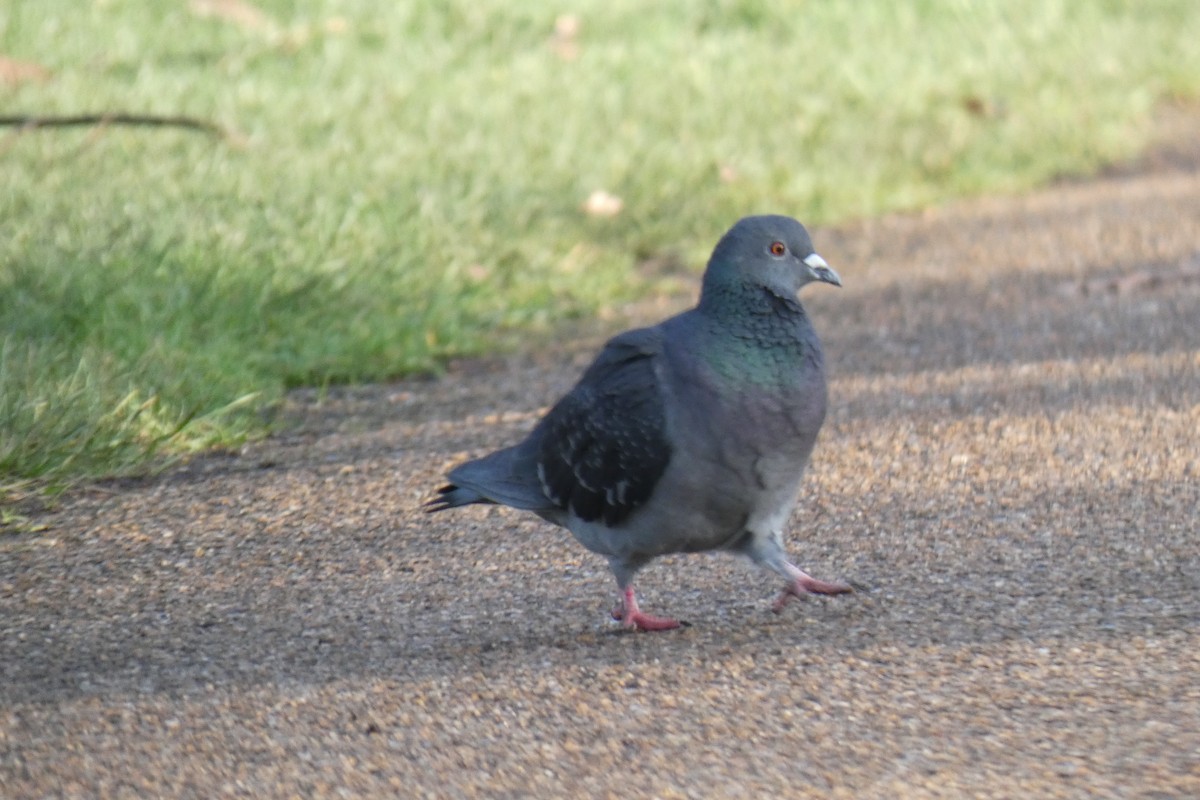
<point x="804" y="584"/>
<point x="631" y="617"/>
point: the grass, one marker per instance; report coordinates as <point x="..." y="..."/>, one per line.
<point x="405" y="182"/>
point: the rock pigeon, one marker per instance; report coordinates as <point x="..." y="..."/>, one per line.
<point x="688" y="436"/>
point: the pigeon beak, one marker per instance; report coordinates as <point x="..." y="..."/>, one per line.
<point x="821" y="271"/>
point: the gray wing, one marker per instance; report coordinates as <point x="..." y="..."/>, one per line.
<point x="602" y="449"/>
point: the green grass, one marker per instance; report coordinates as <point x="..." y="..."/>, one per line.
<point x="406" y="180"/>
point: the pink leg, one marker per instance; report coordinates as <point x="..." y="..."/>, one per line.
<point x="631" y="617"/>
<point x="804" y="584"/>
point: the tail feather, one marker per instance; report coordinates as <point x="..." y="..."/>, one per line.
<point x="451" y="496"/>
<point x="506" y="477"/>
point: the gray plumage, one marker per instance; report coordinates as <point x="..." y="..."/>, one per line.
<point x="688" y="436"/>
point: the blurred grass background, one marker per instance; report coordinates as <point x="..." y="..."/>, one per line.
<point x="406" y="182"/>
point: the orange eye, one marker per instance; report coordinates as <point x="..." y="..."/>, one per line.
<point x="777" y="248"/>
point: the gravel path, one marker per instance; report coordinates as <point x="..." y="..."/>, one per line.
<point x="1010" y="475"/>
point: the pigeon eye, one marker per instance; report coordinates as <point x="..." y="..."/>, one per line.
<point x="777" y="248"/>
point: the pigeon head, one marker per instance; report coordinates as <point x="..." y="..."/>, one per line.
<point x="772" y="252"/>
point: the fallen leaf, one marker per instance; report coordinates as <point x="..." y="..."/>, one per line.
<point x="238" y="12"/>
<point x="565" y="39"/>
<point x="15" y="73"/>
<point x="602" y="204"/>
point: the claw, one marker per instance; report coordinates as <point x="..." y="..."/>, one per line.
<point x="631" y="617"/>
<point x="803" y="585"/>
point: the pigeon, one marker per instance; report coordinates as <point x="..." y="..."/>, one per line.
<point x="688" y="436"/>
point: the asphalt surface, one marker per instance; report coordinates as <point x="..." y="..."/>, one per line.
<point x="1009" y="475"/>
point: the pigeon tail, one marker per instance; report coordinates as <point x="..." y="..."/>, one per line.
<point x="503" y="478"/>
<point x="451" y="496"/>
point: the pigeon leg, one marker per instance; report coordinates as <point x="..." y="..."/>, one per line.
<point x="631" y="616"/>
<point x="804" y="584"/>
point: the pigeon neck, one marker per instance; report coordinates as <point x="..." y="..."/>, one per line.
<point x="756" y="337"/>
<point x="750" y="305"/>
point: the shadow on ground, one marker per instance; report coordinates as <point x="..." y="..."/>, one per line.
<point x="1009" y="475"/>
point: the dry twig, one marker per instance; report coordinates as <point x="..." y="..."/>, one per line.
<point x="29" y="122"/>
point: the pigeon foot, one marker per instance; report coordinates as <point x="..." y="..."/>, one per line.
<point x="804" y="584"/>
<point x="631" y="617"/>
